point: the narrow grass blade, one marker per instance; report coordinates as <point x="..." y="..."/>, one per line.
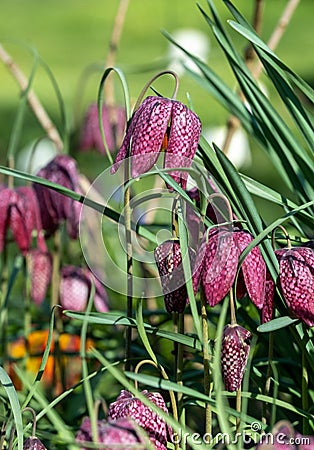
<point x="44" y="359"/>
<point x="15" y="405"/>
<point x="119" y="319"/>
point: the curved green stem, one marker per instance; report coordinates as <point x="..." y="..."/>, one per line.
<point x="155" y="77"/>
<point x="129" y="263"/>
<point x="206" y="362"/>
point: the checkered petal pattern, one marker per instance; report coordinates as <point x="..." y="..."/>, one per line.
<point x="234" y="354"/>
<point x="40" y="268"/>
<point x="253" y="268"/>
<point x="33" y="443"/>
<point x="75" y="286"/>
<point x="219" y="265"/>
<point x="55" y="207"/>
<point x="296" y="274"/>
<point x="169" y="262"/>
<point x="114" y="121"/>
<point x="20" y="213"/>
<point x="267" y="311"/>
<point x="160" y="124"/>
<point x="120" y="433"/>
<point x="127" y="405"/>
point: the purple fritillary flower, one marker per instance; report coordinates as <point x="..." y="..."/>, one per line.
<point x="40" y="268"/>
<point x="127" y="405"/>
<point x="55" y="207"/>
<point x="219" y="262"/>
<point x="114" y="121"/>
<point x="160" y="124"/>
<point x="235" y="348"/>
<point x="75" y="286"/>
<point x="218" y="267"/>
<point x="118" y="434"/>
<point x="101" y="300"/>
<point x="169" y="263"/>
<point x="20" y="212"/>
<point x="296" y="274"/>
<point x="5" y="197"/>
<point x="267" y="311"/>
<point x="33" y="443"/>
<point x="253" y="268"/>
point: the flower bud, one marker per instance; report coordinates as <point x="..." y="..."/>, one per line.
<point x="235" y="349"/>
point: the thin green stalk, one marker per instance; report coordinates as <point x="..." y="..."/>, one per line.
<point x="86" y="382"/>
<point x="27" y="300"/>
<point x="305" y="384"/>
<point x="206" y="362"/>
<point x="233" y="318"/>
<point x="178" y="319"/>
<point x="269" y="374"/>
<point x="238" y="409"/>
<point x="149" y="83"/>
<point x="55" y="283"/>
<point x="128" y="238"/>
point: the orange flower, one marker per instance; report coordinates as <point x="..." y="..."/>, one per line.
<point x="63" y="363"/>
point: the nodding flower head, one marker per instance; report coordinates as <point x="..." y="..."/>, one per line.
<point x="235" y="349"/>
<point x="55" y="207"/>
<point x="114" y="120"/>
<point x="20" y="213"/>
<point x="75" y="285"/>
<point x="160" y="124"/>
<point x="33" y="443"/>
<point x="120" y="433"/>
<point x="296" y="275"/>
<point x="40" y="269"/>
<point x="129" y="406"/>
<point x="169" y="262"/>
<point x="218" y="268"/>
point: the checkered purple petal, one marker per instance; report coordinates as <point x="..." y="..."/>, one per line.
<point x="253" y="268"/>
<point x="296" y="273"/>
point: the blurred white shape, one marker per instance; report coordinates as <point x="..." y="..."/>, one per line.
<point x="36" y="155"/>
<point x="192" y="40"/>
<point x="239" y="150"/>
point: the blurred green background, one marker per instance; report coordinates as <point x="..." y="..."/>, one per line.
<point x="72" y="35"/>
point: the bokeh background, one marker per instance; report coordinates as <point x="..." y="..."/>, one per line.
<point x="72" y="38"/>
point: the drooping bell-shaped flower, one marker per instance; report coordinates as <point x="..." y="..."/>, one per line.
<point x="296" y="275"/>
<point x="127" y="405"/>
<point x="169" y="263"/>
<point x="114" y="120"/>
<point x="267" y="311"/>
<point x="219" y="262"/>
<point x="20" y="213"/>
<point x="120" y="433"/>
<point x="75" y="286"/>
<point x="55" y="207"/>
<point x="33" y="443"/>
<point x="160" y="124"/>
<point x="253" y="268"/>
<point x="235" y="347"/>
<point x="40" y="269"/>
